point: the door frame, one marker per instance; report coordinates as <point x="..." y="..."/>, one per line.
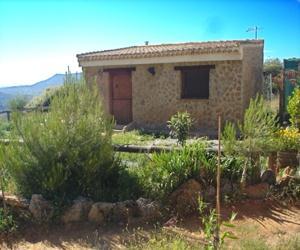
<point x="111" y="72"/>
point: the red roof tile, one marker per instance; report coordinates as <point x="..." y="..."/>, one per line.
<point x="167" y="50"/>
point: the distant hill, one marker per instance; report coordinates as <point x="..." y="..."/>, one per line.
<point x="8" y="93"/>
<point x="4" y="99"/>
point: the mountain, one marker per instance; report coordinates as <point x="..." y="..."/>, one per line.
<point x="4" y="99"/>
<point x="8" y="93"/>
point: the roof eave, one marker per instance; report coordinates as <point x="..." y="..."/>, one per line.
<point x="236" y="55"/>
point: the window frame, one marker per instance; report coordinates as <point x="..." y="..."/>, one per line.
<point x="183" y="70"/>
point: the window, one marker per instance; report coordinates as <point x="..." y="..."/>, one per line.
<point x="195" y="81"/>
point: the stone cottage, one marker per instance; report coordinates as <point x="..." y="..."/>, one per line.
<point x="148" y="84"/>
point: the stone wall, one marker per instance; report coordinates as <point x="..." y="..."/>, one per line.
<point x="252" y="72"/>
<point x="155" y="98"/>
<point x="96" y="75"/>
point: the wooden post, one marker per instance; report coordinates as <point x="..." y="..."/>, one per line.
<point x="218" y="208"/>
<point x="8" y="115"/>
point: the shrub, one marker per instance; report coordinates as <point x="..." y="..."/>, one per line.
<point x="7" y="222"/>
<point x="5" y="127"/>
<point x="180" y="125"/>
<point x="294" y="107"/>
<point x="66" y="152"/>
<point x="43" y="100"/>
<point x="288" y="139"/>
<point x="18" y="103"/>
<point x="166" y="171"/>
<point x="258" y="137"/>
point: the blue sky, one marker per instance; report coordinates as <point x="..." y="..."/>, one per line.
<point x="41" y="38"/>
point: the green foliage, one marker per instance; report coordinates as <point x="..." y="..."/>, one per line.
<point x="180" y="125"/>
<point x="257" y="131"/>
<point x="5" y="127"/>
<point x="229" y="138"/>
<point x="288" y="139"/>
<point x="293" y="107"/>
<point x="210" y="226"/>
<point x="273" y="66"/>
<point x="7" y="222"/>
<point x="258" y="127"/>
<point x="43" y="100"/>
<point x="166" y="171"/>
<point x="18" y="103"/>
<point x="288" y="193"/>
<point x="231" y="167"/>
<point x="257" y="137"/>
<point x="66" y="152"/>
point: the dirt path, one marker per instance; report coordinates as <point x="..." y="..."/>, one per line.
<point x="257" y="220"/>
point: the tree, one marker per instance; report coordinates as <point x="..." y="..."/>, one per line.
<point x="18" y="103"/>
<point x="257" y="134"/>
<point x="273" y="66"/>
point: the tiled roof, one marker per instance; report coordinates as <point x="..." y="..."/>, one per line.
<point x="167" y="50"/>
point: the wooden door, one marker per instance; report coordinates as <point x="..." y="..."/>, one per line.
<point x="121" y="88"/>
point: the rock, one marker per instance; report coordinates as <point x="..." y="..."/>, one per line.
<point x="15" y="201"/>
<point x="148" y="209"/>
<point x="288" y="171"/>
<point x="210" y="193"/>
<point x="78" y="211"/>
<point x="184" y="200"/>
<point x="125" y="210"/>
<point x="41" y="209"/>
<point x="258" y="191"/>
<point x="129" y="127"/>
<point x="268" y="176"/>
<point x="100" y="212"/>
<point x="226" y="187"/>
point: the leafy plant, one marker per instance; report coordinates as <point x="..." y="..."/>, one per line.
<point x="180" y="125"/>
<point x="210" y="226"/>
<point x="166" y="171"/>
<point x="18" y="103"/>
<point x="229" y="137"/>
<point x="43" y="100"/>
<point x="288" y="193"/>
<point x="288" y="139"/>
<point x="257" y="137"/>
<point x="5" y="127"/>
<point x="7" y="222"/>
<point x="66" y="152"/>
<point x="293" y="107"/>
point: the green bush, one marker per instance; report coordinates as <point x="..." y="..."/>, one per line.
<point x="5" y="127"/>
<point x="66" y="152"/>
<point x="43" y="100"/>
<point x="180" y="125"/>
<point x="166" y="171"/>
<point x="7" y="222"/>
<point x="18" y="103"/>
<point x="294" y="108"/>
<point x="258" y="138"/>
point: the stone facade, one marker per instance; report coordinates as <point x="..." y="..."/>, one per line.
<point x="155" y="98"/>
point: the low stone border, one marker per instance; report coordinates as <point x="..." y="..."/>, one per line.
<point x="85" y="210"/>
